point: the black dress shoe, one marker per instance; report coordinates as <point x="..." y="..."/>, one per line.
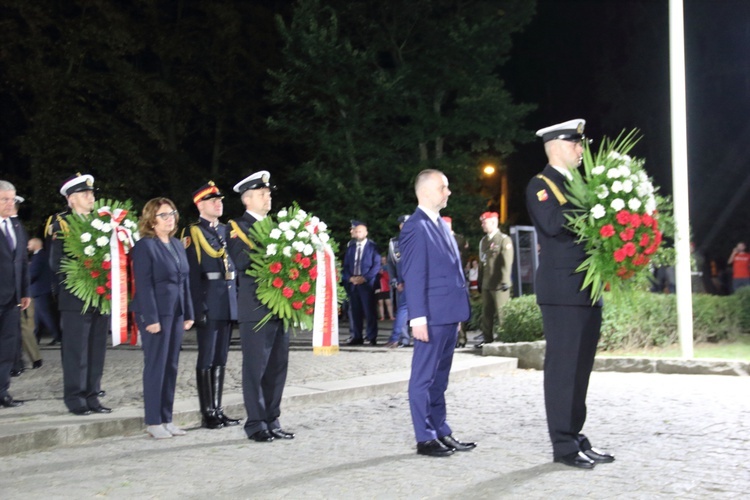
<point x="37" y="364"/>
<point x="281" y="434"/>
<point x="457" y="445"/>
<point x="263" y="436"/>
<point x="577" y="459"/>
<point x="598" y="456"/>
<point x="355" y="342"/>
<point x="226" y="421"/>
<point x="80" y="411"/>
<point x="479" y="345"/>
<point x="101" y="394"/>
<point x="372" y="342"/>
<point x="459" y="345"/>
<point x="434" y="448"/>
<point x="9" y="402"/>
<point x="16" y="373"/>
<point x="100" y="409"/>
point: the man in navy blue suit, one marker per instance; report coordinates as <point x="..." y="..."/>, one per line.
<point x="14" y="288"/>
<point x="359" y="272"/>
<point x="435" y="290"/>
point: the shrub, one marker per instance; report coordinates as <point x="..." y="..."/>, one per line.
<point x="522" y="321"/>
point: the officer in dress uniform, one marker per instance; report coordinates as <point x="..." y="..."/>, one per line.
<point x="265" y="349"/>
<point x="84" y="331"/>
<point x="571" y="322"/>
<point x="214" y="291"/>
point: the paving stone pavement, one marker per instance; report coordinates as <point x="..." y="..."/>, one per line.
<point x="674" y="436"/>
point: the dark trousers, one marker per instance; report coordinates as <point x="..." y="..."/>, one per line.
<point x="430" y="368"/>
<point x="161" y="356"/>
<point x="213" y="343"/>
<point x="265" y="359"/>
<point x="10" y="338"/>
<point x="45" y="316"/>
<point x="83" y="351"/>
<point x="572" y="333"/>
<point x="364" y="307"/>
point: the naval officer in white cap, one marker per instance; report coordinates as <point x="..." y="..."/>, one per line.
<point x="571" y="322"/>
<point x="265" y="350"/>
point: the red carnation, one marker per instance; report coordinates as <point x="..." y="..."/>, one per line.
<point x="95" y="274"/>
<point x="655" y="225"/>
<point x="647" y="220"/>
<point x="607" y="231"/>
<point x="297" y="304"/>
<point x="87" y="263"/>
<point x="627" y="234"/>
<point x="638" y="259"/>
<point x="107" y="264"/>
<point x="275" y="267"/>
<point x="635" y="220"/>
<point x="310" y="300"/>
<point x="620" y="255"/>
<point x="305" y="263"/>
<point x="304" y="287"/>
<point x="629" y="249"/>
<point x="287" y="292"/>
<point x="293" y="274"/>
<point x="309" y="311"/>
<point x="622" y="272"/>
<point x="108" y="297"/>
<point x="278" y="282"/>
<point x="101" y="290"/>
<point x="645" y="238"/>
<point x="623" y="217"/>
<point x="313" y="272"/>
<point x="297" y="257"/>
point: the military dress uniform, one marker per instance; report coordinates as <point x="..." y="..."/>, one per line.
<point x="571" y="322"/>
<point x="84" y="331"/>
<point x="495" y="266"/>
<point x="265" y="349"/>
<point x="213" y="288"/>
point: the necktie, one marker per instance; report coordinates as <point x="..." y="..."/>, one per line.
<point x="8" y="238"/>
<point x="357" y="260"/>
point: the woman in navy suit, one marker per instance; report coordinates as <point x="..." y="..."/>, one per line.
<point x="163" y="310"/>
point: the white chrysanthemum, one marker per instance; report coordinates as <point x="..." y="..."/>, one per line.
<point x="613" y="173"/>
<point x="303" y="235"/>
<point x="289" y="235"/>
<point x="624" y="171"/>
<point x="301" y="215"/>
<point x="615" y="155"/>
<point x="107" y="256"/>
<point x="298" y="245"/>
<point x="97" y="224"/>
<point x="271" y="249"/>
<point x="294" y="223"/>
<point x="598" y="211"/>
<point x="86" y="237"/>
<point x="616" y="187"/>
<point x="650" y="205"/>
<point x="283" y="213"/>
<point x="315" y="240"/>
<point x="275" y="233"/>
<point x="107" y="227"/>
<point x="627" y="159"/>
<point x="308" y="250"/>
<point x="102" y="241"/>
<point x="634" y="204"/>
<point x="314" y="220"/>
<point x="617" y="204"/>
<point x="128" y="223"/>
<point x="643" y="176"/>
<point x="627" y="186"/>
<point x="284" y="226"/>
<point x="602" y="191"/>
<point x="598" y="170"/>
<point x="287" y="251"/>
<point x="322" y="226"/>
<point x="324" y="237"/>
<point x="89" y="250"/>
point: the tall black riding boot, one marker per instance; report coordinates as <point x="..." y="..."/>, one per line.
<point x="217" y="380"/>
<point x="210" y="419"/>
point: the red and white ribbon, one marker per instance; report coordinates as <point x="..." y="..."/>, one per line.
<point x="119" y="273"/>
<point x="326" y="318"/>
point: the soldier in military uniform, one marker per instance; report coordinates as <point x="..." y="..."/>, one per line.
<point x="495" y="265"/>
<point x="84" y="331"/>
<point x="214" y="291"/>
<point x="571" y="322"/>
<point x="265" y="349"/>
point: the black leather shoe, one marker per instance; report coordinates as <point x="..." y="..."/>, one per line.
<point x="16" y="373"/>
<point x="598" y="456"/>
<point x="9" y="402"/>
<point x="101" y="409"/>
<point x="211" y="421"/>
<point x="37" y="364"/>
<point x="479" y="345"/>
<point x="577" y="459"/>
<point x="263" y="436"/>
<point x="81" y="411"/>
<point x="434" y="448"/>
<point x="281" y="434"/>
<point x="372" y="342"/>
<point x="101" y="394"/>
<point x="226" y="421"/>
<point x="457" y="445"/>
<point x="459" y="345"/>
<point x="355" y="342"/>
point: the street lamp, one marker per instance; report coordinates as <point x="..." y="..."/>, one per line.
<point x="489" y="170"/>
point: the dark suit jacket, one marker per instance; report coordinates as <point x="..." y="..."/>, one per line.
<point x="162" y="286"/>
<point x="556" y="282"/>
<point x="40" y="275"/>
<point x="434" y="281"/>
<point x="249" y="307"/>
<point x="14" y="267"/>
<point x="215" y="299"/>
<point x="369" y="264"/>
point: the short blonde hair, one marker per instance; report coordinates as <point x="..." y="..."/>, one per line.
<point x="148" y="217"/>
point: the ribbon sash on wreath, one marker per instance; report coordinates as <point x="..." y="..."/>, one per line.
<point x="326" y="319"/>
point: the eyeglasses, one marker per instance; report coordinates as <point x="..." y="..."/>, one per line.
<point x="167" y="215"/>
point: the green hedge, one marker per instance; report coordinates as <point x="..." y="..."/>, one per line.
<point x="641" y="319"/>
